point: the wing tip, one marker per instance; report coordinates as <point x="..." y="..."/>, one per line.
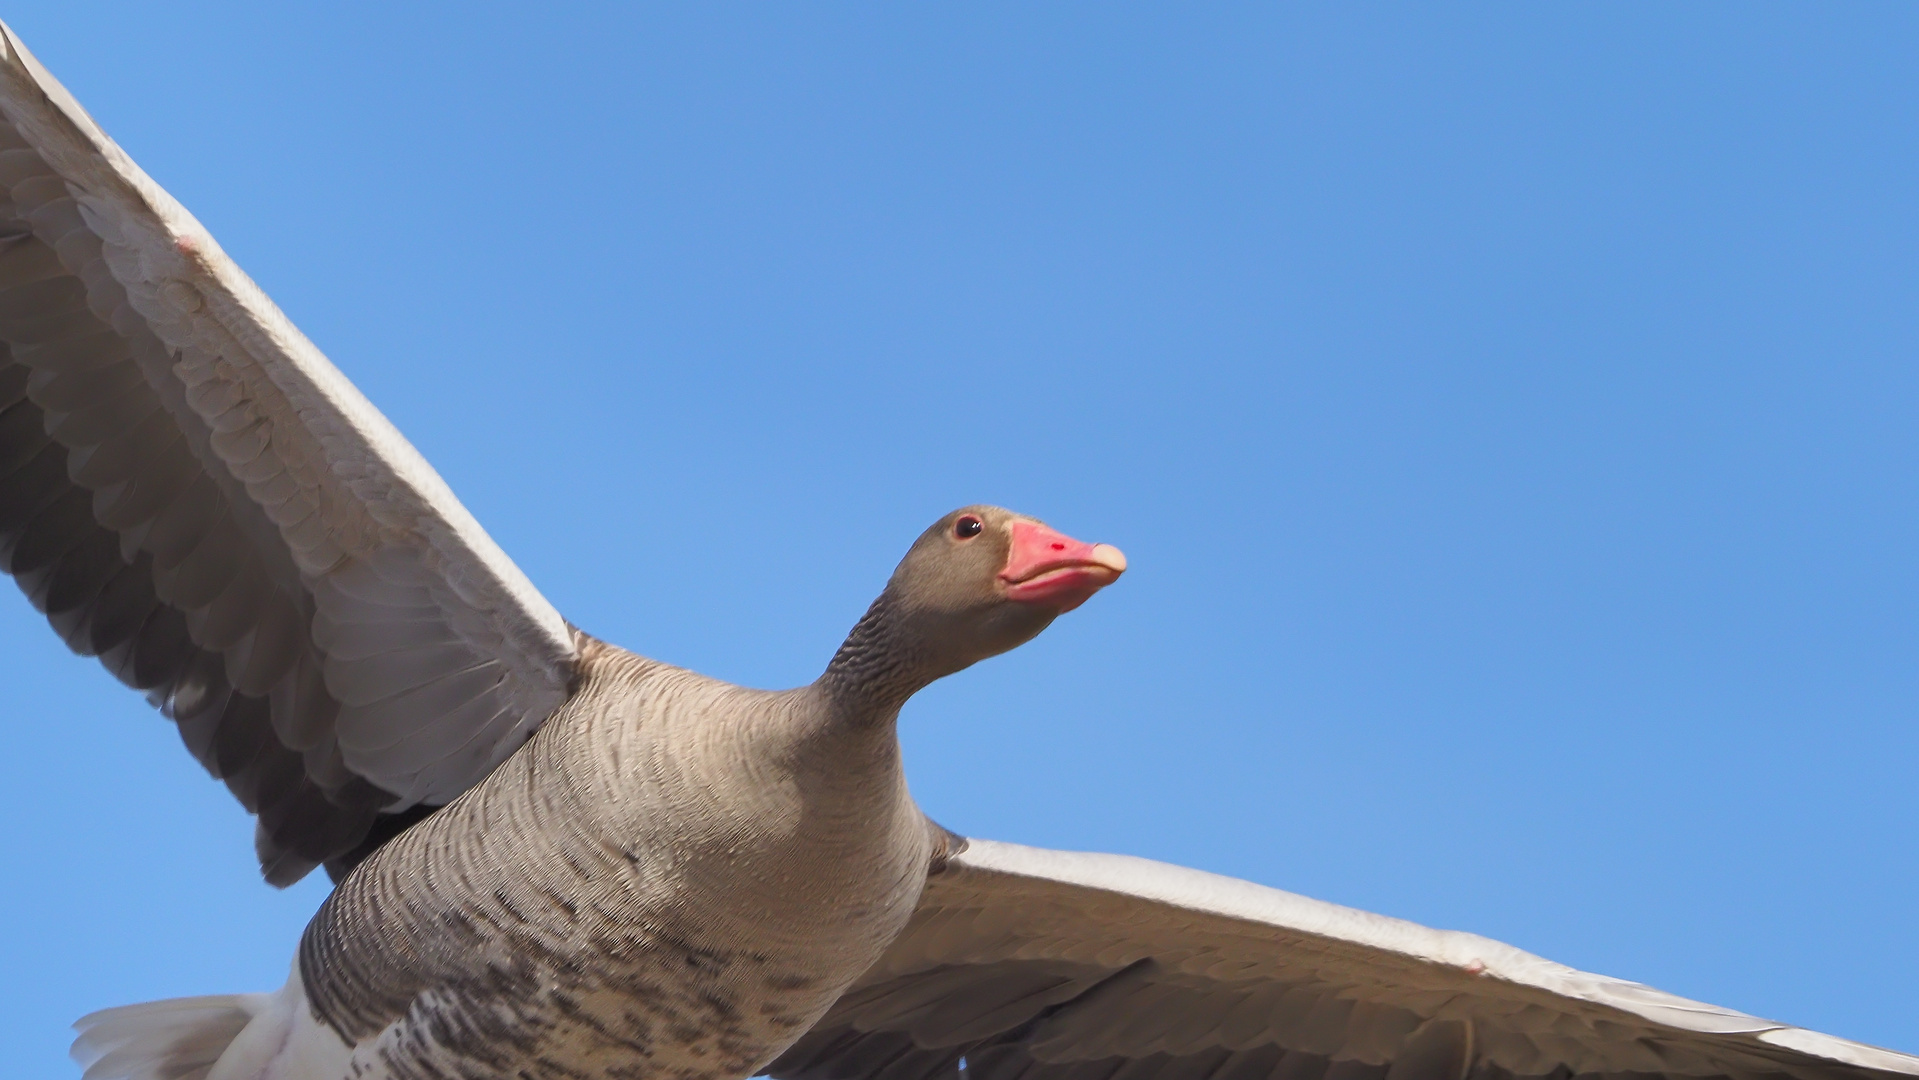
<point x="28" y="66"/>
<point x="1844" y="1051"/>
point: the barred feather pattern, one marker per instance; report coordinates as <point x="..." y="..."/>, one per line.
<point x="675" y="878"/>
<point x="877" y="668"/>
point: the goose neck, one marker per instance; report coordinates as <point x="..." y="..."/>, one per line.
<point x="877" y="668"/>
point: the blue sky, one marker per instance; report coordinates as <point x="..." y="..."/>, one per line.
<point x="1510" y="413"/>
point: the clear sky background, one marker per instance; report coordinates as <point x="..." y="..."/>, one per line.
<point x="1511" y="414"/>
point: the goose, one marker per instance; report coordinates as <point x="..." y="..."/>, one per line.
<point x="556" y="858"/>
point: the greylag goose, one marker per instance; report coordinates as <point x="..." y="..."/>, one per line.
<point x="559" y="859"/>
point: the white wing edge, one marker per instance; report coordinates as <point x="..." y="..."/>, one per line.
<point x="1215" y="894"/>
<point x="260" y="326"/>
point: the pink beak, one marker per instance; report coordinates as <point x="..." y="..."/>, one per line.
<point x="1051" y="568"/>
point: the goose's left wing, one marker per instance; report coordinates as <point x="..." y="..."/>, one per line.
<point x="1045" y="965"/>
<point x="191" y="492"/>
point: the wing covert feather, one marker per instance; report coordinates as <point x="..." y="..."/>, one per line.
<point x="192" y="492"/>
<point x="1047" y="965"/>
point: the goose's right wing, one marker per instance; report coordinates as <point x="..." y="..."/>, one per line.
<point x="191" y="492"/>
<point x="1051" y="965"/>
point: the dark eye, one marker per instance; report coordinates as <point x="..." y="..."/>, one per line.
<point x="968" y="527"/>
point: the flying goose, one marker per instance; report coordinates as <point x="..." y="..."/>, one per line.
<point x="556" y="858"/>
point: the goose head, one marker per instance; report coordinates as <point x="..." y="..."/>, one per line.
<point x="978" y="582"/>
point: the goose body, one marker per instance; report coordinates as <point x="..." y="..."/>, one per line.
<point x="559" y="859"/>
<point x="674" y="870"/>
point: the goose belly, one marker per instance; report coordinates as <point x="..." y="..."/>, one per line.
<point x="571" y="967"/>
<point x="646" y="1020"/>
<point x="591" y="960"/>
<point x="621" y="999"/>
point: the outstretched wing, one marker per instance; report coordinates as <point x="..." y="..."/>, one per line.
<point x="191" y="492"/>
<point x="1047" y="965"/>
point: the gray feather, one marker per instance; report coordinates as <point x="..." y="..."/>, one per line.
<point x="180" y="471"/>
<point x="1186" y="976"/>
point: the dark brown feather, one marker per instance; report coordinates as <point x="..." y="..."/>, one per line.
<point x="65" y="545"/>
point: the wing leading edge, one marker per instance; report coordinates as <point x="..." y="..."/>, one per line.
<point x="191" y="492"/>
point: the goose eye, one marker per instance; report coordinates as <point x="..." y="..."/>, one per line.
<point x="968" y="527"/>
